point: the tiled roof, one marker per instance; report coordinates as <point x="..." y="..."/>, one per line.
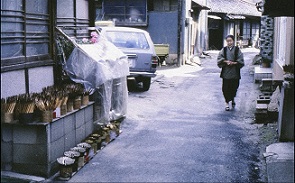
<point x="237" y="7"/>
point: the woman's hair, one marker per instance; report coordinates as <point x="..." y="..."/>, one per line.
<point x="230" y="36"/>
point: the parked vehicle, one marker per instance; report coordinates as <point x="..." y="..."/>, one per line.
<point x="162" y="51"/>
<point x="138" y="46"/>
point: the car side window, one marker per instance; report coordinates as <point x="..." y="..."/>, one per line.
<point x="134" y="40"/>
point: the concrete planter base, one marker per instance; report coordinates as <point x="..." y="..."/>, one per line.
<point x="33" y="148"/>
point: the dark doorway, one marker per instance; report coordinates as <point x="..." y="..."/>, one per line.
<point x="215" y="34"/>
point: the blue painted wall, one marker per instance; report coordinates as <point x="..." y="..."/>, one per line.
<point x="162" y="27"/>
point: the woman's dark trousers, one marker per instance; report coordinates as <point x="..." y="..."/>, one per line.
<point x="229" y="89"/>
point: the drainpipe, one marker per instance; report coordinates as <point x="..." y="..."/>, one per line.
<point x="179" y="32"/>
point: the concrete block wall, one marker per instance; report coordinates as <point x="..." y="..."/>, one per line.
<point x="267" y="37"/>
<point x="33" y="148"/>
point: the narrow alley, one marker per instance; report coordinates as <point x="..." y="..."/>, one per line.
<point x="179" y="132"/>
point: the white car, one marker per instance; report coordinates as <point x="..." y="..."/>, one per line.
<point x="139" y="47"/>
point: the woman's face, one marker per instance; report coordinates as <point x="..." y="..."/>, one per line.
<point x="229" y="41"/>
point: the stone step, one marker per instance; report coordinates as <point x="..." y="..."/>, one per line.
<point x="260" y="107"/>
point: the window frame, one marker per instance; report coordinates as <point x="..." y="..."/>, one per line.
<point x="30" y="61"/>
<point x="125" y="14"/>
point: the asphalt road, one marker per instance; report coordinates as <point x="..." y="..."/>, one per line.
<point x="179" y="132"/>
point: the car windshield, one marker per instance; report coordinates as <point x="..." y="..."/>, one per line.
<point x="134" y="40"/>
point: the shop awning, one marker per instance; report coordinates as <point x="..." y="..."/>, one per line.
<point x="235" y="17"/>
<point x="214" y="17"/>
<point x="277" y="8"/>
<point x="199" y="5"/>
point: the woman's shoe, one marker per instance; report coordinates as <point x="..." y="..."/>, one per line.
<point x="226" y="106"/>
<point x="233" y="104"/>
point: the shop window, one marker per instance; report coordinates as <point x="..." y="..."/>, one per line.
<point x="126" y="12"/>
<point x="24" y="31"/>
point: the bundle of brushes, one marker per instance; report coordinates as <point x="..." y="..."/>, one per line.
<point x="65" y="98"/>
<point x="87" y="92"/>
<point x="50" y="100"/>
<point x="60" y="91"/>
<point x="26" y="103"/>
<point x="8" y="104"/>
<point x="74" y="90"/>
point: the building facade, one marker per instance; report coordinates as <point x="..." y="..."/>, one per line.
<point x="28" y="59"/>
<point x="282" y="14"/>
<point x="236" y="17"/>
<point x="29" y="62"/>
<point x="160" y="19"/>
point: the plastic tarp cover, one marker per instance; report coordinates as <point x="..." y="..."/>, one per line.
<point x="95" y="64"/>
<point x="101" y="66"/>
<point x="111" y="101"/>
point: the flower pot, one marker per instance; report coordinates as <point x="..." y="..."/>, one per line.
<point x="7" y="117"/>
<point x="47" y="116"/>
<point x="77" y="103"/>
<point x="70" y="106"/>
<point x="63" y="109"/>
<point x="106" y="135"/>
<point x="87" y="152"/>
<point x="65" y="167"/>
<point x="81" y="159"/>
<point x="97" y="140"/>
<point x="93" y="148"/>
<point x="26" y="118"/>
<point x="74" y="155"/>
<point x="85" y="100"/>
<point x="265" y="65"/>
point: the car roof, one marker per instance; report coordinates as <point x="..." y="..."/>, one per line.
<point x="125" y="29"/>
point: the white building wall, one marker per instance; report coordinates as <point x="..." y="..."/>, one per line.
<point x="13" y="83"/>
<point x="283" y="45"/>
<point x="40" y="77"/>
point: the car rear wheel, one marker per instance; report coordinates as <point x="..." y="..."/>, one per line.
<point x="139" y="84"/>
<point x="131" y="84"/>
<point x="146" y="83"/>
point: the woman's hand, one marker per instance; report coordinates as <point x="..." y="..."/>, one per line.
<point x="233" y="63"/>
<point x="229" y="62"/>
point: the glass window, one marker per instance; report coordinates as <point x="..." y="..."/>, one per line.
<point x="165" y="5"/>
<point x="20" y="26"/>
<point x="12" y="29"/>
<point x="65" y="9"/>
<point x="255" y="30"/>
<point x="133" y="40"/>
<point x="126" y="12"/>
<point x="246" y="30"/>
<point x="66" y="16"/>
<point x="37" y="27"/>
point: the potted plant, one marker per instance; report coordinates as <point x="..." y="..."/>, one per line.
<point x="288" y="72"/>
<point x="266" y="63"/>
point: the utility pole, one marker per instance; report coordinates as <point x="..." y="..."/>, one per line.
<point x="179" y="32"/>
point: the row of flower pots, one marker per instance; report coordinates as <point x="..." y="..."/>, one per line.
<point x="74" y="159"/>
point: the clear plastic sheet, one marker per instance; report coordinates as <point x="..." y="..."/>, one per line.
<point x="95" y="64"/>
<point x="103" y="67"/>
<point x="111" y="101"/>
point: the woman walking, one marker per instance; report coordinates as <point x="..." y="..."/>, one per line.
<point x="231" y="60"/>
